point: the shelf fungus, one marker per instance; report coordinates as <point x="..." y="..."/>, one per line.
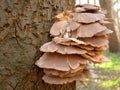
<point x="79" y="39"/>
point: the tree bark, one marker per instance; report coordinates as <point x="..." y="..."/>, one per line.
<point x="24" y="27"/>
<point x="113" y="40"/>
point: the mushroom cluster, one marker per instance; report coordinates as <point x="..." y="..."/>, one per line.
<point x="79" y="39"/>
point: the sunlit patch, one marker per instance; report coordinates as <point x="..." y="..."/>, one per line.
<point x="113" y="65"/>
<point x="110" y="83"/>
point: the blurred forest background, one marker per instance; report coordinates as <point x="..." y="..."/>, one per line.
<point x="24" y="27"/>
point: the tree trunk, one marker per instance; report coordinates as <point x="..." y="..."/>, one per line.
<point x="24" y="27"/>
<point x="113" y="40"/>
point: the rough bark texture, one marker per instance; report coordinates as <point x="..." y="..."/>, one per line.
<point x="24" y="27"/>
<point x="114" y="43"/>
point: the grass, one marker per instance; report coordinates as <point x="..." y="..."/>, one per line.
<point x="114" y="64"/>
<point x="109" y="75"/>
<point x="107" y="84"/>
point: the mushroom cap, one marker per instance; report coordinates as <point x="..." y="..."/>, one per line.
<point x="67" y="41"/>
<point x="105" y="32"/>
<point x="91" y="53"/>
<point x="88" y="17"/>
<point x="88" y="7"/>
<point x="62" y="49"/>
<point x="104" y="22"/>
<point x="64" y="73"/>
<point x="95" y="52"/>
<point x="57" y="80"/>
<point x="55" y="72"/>
<point x="86" y="47"/>
<point x="101" y="58"/>
<point x="79" y="9"/>
<point x="49" y="47"/>
<point x="73" y="25"/>
<point x="96" y="59"/>
<point x="58" y="28"/>
<point x="96" y="41"/>
<point x="89" y="30"/>
<point x="60" y="62"/>
<point x="73" y="34"/>
<point x="98" y="52"/>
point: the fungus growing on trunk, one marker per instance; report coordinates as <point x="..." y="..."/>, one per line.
<point x="79" y="38"/>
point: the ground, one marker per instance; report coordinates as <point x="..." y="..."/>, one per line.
<point x="109" y="75"/>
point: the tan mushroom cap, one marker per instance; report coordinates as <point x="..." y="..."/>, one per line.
<point x="89" y="7"/>
<point x="105" y="32"/>
<point x="65" y="73"/>
<point x="98" y="52"/>
<point x="60" y="62"/>
<point x="55" y="72"/>
<point x="57" y="80"/>
<point x="91" y="53"/>
<point x="58" y="28"/>
<point x="88" y="17"/>
<point x="95" y="52"/>
<point x="49" y="47"/>
<point x="96" y="41"/>
<point x="80" y="68"/>
<point x="73" y="34"/>
<point x="89" y="30"/>
<point x="103" y="48"/>
<point x="67" y="41"/>
<point x="86" y="47"/>
<point x="96" y="59"/>
<point x="79" y="9"/>
<point x="104" y="22"/>
<point x="73" y="25"/>
<point x="62" y="49"/>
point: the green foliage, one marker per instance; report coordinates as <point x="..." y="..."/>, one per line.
<point x="113" y="65"/>
<point x="113" y="68"/>
<point x="110" y="83"/>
